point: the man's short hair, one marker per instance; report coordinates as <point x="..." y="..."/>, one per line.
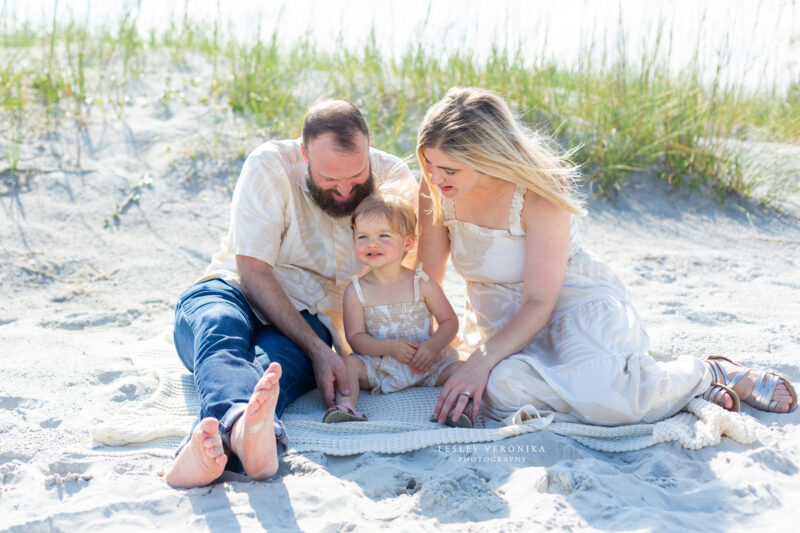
<point x="341" y="118"/>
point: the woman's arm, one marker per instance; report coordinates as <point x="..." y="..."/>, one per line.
<point x="355" y="330"/>
<point x="546" y="255"/>
<point x="434" y="242"/>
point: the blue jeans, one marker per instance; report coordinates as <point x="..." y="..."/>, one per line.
<point x="227" y="348"/>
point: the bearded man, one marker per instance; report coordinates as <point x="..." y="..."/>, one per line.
<point x="257" y="330"/>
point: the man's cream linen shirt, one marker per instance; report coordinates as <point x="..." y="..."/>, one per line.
<point x="274" y="219"/>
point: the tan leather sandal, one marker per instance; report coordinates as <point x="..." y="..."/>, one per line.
<point x="764" y="388"/>
<point x="714" y="394"/>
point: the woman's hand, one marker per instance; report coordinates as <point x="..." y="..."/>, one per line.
<point x="470" y="378"/>
<point x="403" y="350"/>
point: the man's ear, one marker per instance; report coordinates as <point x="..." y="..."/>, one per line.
<point x="303" y="152"/>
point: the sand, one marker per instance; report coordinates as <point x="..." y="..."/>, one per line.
<point x="76" y="283"/>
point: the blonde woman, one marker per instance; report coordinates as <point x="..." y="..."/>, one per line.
<point x="547" y="324"/>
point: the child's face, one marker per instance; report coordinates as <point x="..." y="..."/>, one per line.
<point x="378" y="243"/>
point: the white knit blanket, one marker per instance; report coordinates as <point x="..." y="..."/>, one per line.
<point x="397" y="423"/>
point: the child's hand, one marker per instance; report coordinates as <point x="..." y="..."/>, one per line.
<point x="403" y="350"/>
<point x="423" y="360"/>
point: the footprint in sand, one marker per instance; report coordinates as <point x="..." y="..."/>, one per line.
<point x="459" y="497"/>
<point x="68" y="477"/>
<point x="306" y="463"/>
<point x="14" y="402"/>
<point x="107" y="376"/>
<point x="714" y="318"/>
<point x="79" y="321"/>
<point x="562" y="480"/>
<point x="774" y="461"/>
<point x="132" y="388"/>
<point x="9" y="470"/>
<point x="50" y="423"/>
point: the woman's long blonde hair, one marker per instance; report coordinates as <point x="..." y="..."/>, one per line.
<point x="476" y="128"/>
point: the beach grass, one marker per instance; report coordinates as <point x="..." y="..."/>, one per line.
<point x="617" y="116"/>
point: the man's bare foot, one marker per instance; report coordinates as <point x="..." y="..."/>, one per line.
<point x="253" y="434"/>
<point x="744" y="386"/>
<point x="201" y="461"/>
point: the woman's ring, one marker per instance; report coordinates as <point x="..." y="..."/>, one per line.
<point x="466" y="393"/>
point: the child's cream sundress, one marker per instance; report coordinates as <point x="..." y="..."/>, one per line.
<point x="590" y="363"/>
<point x="404" y="320"/>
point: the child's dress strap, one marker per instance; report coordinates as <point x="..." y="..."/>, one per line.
<point x="515" y="213"/>
<point x="360" y="295"/>
<point x="417" y="275"/>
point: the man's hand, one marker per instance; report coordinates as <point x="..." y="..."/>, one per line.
<point x="330" y="373"/>
<point x="403" y="350"/>
<point x="423" y="359"/>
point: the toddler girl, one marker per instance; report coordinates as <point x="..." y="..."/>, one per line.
<point x="387" y="312"/>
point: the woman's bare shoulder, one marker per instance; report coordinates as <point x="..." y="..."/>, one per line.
<point x="539" y="212"/>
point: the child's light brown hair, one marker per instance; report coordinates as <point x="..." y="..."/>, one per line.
<point x="398" y="211"/>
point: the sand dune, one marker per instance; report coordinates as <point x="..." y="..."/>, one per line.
<point x="76" y="282"/>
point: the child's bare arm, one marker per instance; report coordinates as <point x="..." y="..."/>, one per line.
<point x="364" y="343"/>
<point x="428" y="352"/>
<point x="440" y="307"/>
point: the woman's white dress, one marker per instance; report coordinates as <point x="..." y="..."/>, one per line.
<point x="590" y="363"/>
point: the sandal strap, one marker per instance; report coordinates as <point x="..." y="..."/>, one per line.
<point x="718" y="374"/>
<point x="761" y="397"/>
<point x="714" y="395"/>
<point x="738" y="378"/>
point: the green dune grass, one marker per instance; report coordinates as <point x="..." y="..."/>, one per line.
<point x="616" y="117"/>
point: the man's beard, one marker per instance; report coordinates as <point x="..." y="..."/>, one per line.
<point x="326" y="200"/>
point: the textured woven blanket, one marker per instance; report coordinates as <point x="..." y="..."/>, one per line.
<point x="397" y="422"/>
